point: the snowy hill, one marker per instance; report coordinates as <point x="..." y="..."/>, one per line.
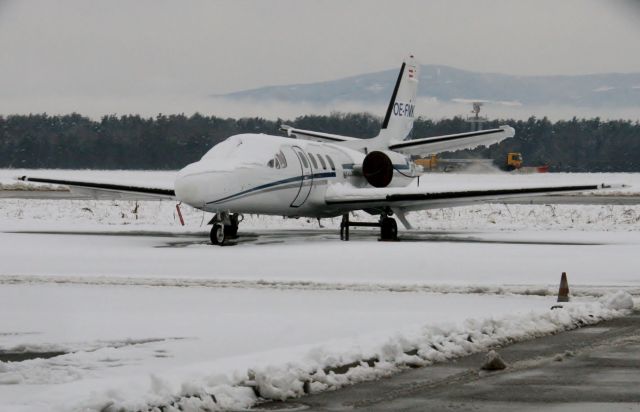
<point x="453" y="85"/>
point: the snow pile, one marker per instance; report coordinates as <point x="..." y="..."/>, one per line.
<point x="537" y="217"/>
<point x="494" y="216"/>
<point x="479" y="217"/>
<point x="328" y="368"/>
<point x="31" y="187"/>
<point x="493" y="362"/>
<point x="619" y="300"/>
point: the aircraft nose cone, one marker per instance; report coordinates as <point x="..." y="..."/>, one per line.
<point x="187" y="187"/>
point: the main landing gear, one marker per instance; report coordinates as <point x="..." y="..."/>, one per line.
<point x="388" y="227"/>
<point x="224" y="227"/>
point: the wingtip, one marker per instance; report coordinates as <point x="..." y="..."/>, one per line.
<point x="612" y="186"/>
<point x="508" y="130"/>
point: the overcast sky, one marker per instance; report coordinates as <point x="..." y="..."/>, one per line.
<point x="94" y="56"/>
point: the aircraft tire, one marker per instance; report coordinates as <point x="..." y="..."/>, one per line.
<point x="217" y="234"/>
<point x="388" y="229"/>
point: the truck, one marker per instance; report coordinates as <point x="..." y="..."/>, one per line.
<point x="513" y="163"/>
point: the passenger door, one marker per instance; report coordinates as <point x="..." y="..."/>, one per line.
<point x="306" y="181"/>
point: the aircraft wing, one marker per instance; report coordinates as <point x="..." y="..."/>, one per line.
<point x="315" y="136"/>
<point x="107" y="191"/>
<point x="459" y="141"/>
<point x="419" y="198"/>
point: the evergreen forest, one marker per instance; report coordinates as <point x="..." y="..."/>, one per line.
<point x="169" y="142"/>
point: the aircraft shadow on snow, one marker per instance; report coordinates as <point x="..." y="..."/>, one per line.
<point x="296" y="236"/>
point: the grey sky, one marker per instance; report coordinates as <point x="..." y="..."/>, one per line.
<point x="97" y="55"/>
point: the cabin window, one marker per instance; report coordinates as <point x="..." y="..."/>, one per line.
<point x="313" y="161"/>
<point x="303" y="159"/>
<point x="324" y="165"/>
<point x="333" y="166"/>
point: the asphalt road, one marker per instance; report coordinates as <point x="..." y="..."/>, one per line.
<point x="595" y="368"/>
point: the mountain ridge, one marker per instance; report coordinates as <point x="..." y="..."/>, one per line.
<point x="450" y="84"/>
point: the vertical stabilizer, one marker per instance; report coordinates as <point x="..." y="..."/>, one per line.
<point x="398" y="120"/>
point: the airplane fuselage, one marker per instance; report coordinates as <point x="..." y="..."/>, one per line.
<point x="273" y="175"/>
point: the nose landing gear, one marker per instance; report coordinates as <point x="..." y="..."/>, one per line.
<point x="225" y="227"/>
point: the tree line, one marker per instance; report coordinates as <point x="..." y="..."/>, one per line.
<point x="168" y="142"/>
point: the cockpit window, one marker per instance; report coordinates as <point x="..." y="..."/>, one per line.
<point x="313" y="161"/>
<point x="333" y="166"/>
<point x="274" y="163"/>
<point x="278" y="161"/>
<point x="282" y="159"/>
<point x="324" y="165"/>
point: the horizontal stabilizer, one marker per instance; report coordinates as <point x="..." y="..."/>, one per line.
<point x="459" y="141"/>
<point x="315" y="136"/>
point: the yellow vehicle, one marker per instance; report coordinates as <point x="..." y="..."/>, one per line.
<point x="428" y="163"/>
<point x="514" y="161"/>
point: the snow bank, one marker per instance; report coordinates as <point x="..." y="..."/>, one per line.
<point x="484" y="216"/>
<point x="479" y="217"/>
<point x="326" y="369"/>
<point x="620" y="300"/>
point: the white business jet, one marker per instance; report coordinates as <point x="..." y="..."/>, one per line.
<point x="319" y="175"/>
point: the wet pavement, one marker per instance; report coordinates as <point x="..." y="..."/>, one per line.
<point x="595" y="368"/>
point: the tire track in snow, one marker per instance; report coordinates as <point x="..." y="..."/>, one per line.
<point x="527" y="290"/>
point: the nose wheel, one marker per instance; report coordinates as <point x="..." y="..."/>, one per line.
<point x="217" y="234"/>
<point x="224" y="227"/>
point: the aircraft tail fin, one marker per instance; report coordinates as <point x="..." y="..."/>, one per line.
<point x="398" y="121"/>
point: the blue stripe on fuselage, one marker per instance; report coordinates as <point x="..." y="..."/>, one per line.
<point x="276" y="183"/>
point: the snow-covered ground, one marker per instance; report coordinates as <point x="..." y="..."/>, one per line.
<point x="138" y="346"/>
<point x="147" y="313"/>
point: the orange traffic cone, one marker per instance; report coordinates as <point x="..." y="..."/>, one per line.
<point x="563" y="292"/>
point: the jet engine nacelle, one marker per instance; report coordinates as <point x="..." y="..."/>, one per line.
<point x="378" y="168"/>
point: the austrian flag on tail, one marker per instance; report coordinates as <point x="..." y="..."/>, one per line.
<point x="412" y="72"/>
